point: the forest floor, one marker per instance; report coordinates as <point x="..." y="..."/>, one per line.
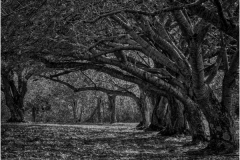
<point x="104" y="141"/>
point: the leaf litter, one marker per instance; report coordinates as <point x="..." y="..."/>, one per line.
<point x="117" y="141"/>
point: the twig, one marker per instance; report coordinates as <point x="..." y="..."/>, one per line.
<point x="89" y="78"/>
<point x="62" y="73"/>
<point x="143" y="60"/>
<point x="168" y="9"/>
<point x="117" y="49"/>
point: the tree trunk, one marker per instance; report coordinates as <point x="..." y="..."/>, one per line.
<point x="99" y="113"/>
<point x="112" y="108"/>
<point x="74" y="109"/>
<point x="145" y="111"/>
<point x="221" y="125"/>
<point x="174" y="119"/>
<point x="16" y="110"/>
<point x="14" y="99"/>
<point x="159" y="109"/>
<point x="195" y="120"/>
<point x="91" y="117"/>
<point x="222" y="129"/>
<point x="34" y="113"/>
<point x="230" y="76"/>
<point x="103" y="111"/>
<point x="168" y="117"/>
<point x="81" y="108"/>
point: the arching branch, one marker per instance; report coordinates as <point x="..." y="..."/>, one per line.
<point x="108" y="91"/>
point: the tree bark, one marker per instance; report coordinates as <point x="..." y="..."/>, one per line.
<point x="14" y="98"/>
<point x="171" y="118"/>
<point x="222" y="129"/>
<point x="99" y="113"/>
<point x="230" y="28"/>
<point x="228" y="84"/>
<point x="16" y="110"/>
<point x="221" y="124"/>
<point x="168" y="116"/>
<point x="80" y="113"/>
<point x="158" y="105"/>
<point x="34" y="113"/>
<point x="195" y="120"/>
<point x="91" y="117"/>
<point x="112" y="108"/>
<point x="74" y="109"/>
<point x="145" y="111"/>
<point x="175" y="119"/>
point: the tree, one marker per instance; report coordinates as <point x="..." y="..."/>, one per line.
<point x="112" y="108"/>
<point x="98" y="86"/>
<point x="144" y="110"/>
<point x="174" y="55"/>
<point x="16" y="66"/>
<point x="14" y="87"/>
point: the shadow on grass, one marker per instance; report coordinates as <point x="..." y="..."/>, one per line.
<point x="93" y="142"/>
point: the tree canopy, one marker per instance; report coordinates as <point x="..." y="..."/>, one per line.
<point x="173" y="49"/>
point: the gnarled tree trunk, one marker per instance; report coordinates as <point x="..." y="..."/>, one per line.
<point x="157" y="114"/>
<point x="221" y="124"/>
<point x="171" y="117"/>
<point x="16" y="109"/>
<point x="222" y="129"/>
<point x="174" y="118"/>
<point x="167" y="116"/>
<point x="14" y="96"/>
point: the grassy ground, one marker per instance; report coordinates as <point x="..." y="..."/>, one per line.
<point x="117" y="141"/>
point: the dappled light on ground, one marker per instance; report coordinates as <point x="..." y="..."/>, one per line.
<point x="117" y="141"/>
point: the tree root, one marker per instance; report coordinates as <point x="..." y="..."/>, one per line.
<point x="215" y="147"/>
<point x="172" y="132"/>
<point x="140" y="126"/>
<point x="152" y="127"/>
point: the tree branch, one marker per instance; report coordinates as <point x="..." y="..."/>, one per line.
<point x="220" y="13"/>
<point x="115" y="50"/>
<point x="168" y="9"/>
<point x="214" y="70"/>
<point x="89" y="78"/>
<point x="184" y="25"/>
<point x="59" y="81"/>
<point x="62" y="73"/>
<point x="148" y="50"/>
<point x="117" y="92"/>
<point x="224" y="54"/>
<point x="102" y="68"/>
<point x="212" y="18"/>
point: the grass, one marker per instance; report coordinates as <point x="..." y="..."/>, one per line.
<point x="117" y="141"/>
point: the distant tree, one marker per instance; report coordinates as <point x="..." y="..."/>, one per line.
<point x="112" y="108"/>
